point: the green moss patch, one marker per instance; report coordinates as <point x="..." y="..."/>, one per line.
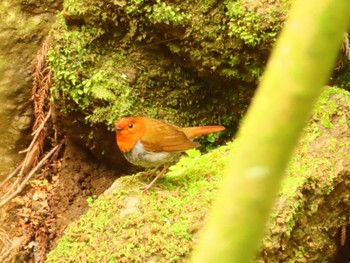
<point x="127" y="224"/>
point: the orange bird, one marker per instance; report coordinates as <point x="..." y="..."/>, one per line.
<point x="149" y="142"/>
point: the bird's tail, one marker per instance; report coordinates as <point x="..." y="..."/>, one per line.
<point x="193" y="132"/>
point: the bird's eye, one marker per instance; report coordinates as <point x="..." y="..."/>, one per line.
<point x="131" y="125"/>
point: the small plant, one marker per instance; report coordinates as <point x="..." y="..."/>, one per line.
<point x="91" y="199"/>
<point x="161" y="12"/>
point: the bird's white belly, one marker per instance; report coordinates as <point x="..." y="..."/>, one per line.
<point x="140" y="157"/>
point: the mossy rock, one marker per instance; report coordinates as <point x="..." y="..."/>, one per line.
<point x="162" y="225"/>
<point x="186" y="62"/>
<point x="314" y="201"/>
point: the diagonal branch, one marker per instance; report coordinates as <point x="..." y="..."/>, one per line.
<point x="32" y="172"/>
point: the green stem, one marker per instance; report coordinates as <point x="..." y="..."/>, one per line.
<point x="299" y="66"/>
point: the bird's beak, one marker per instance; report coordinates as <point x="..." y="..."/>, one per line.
<point x="117" y="128"/>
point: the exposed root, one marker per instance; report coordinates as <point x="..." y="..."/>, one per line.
<point x="43" y="149"/>
<point x="4" y="239"/>
<point x="25" y="166"/>
<point x="42" y="112"/>
<point x="346" y="51"/>
<point x="25" y="180"/>
<point x="12" y="174"/>
<point x="346" y="46"/>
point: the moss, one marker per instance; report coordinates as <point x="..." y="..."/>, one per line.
<point x="156" y="227"/>
<point x="253" y="23"/>
<point x="180" y="61"/>
<point x="163" y="225"/>
<point x="188" y="63"/>
<point x="109" y="89"/>
<point x="312" y="187"/>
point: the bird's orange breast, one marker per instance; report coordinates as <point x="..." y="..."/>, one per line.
<point x="126" y="142"/>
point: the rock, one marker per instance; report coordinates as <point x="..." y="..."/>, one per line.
<point x="23" y="27"/>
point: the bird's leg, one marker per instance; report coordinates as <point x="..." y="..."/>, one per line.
<point x="146" y="187"/>
<point x="149" y="172"/>
<point x="165" y="167"/>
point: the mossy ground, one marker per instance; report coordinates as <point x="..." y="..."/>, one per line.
<point x="127" y="225"/>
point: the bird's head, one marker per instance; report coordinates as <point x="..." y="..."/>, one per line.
<point x="129" y="130"/>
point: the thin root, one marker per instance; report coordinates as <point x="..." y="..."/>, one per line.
<point x="21" y="186"/>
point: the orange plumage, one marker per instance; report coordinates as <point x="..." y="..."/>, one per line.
<point x="149" y="142"/>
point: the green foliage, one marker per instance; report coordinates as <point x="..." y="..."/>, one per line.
<point x="325" y="111"/>
<point x="177" y="61"/>
<point x="91" y="199"/>
<point x="69" y="62"/>
<point x="162" y="12"/>
<point x="97" y="80"/>
<point x="254" y="23"/>
<point x="192" y="153"/>
<point x="157" y="12"/>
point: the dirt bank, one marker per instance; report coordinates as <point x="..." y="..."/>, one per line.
<point x="34" y="221"/>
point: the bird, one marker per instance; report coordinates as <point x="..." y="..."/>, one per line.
<point x="149" y="142"/>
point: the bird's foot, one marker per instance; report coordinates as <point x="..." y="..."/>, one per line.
<point x="146" y="187"/>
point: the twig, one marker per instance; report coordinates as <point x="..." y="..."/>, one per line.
<point x="37" y="132"/>
<point x="17" y="181"/>
<point x="4" y="238"/>
<point x="29" y="154"/>
<point x="32" y="172"/>
<point x="43" y="123"/>
<point x="13" y="186"/>
<point x="11" y="174"/>
<point x="23" y="165"/>
<point x="159" y="42"/>
<point x="346" y="46"/>
<point x="15" y="244"/>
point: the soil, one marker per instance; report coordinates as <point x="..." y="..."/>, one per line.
<point x="81" y="176"/>
<point x="34" y="221"/>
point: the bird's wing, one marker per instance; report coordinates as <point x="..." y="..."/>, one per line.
<point x="163" y="137"/>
